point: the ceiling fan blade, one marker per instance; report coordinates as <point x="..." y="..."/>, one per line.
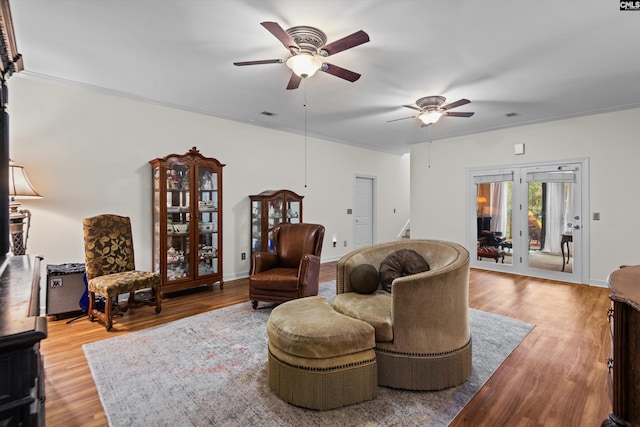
<point x="264" y="61"/>
<point x="404" y="118"/>
<point x="294" y="81"/>
<point x="413" y="107"/>
<point x="345" y="43"/>
<point x="458" y="103"/>
<point x="340" y="72"/>
<point x="284" y="37"/>
<point x="455" y="114"/>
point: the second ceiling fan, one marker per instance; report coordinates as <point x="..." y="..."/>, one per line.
<point x="308" y="47"/>
<point x="431" y="108"/>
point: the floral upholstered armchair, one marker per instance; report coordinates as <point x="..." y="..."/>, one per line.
<point x="110" y="268"/>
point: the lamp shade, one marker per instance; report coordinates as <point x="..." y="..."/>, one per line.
<point x="19" y="185"/>
<point x="304" y="64"/>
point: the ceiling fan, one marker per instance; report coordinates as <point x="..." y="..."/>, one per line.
<point x="308" y="47"/>
<point x="431" y="109"/>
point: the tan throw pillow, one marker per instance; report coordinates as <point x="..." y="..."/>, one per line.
<point x="403" y="262"/>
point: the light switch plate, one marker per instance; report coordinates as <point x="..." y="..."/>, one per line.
<point x="518" y="149"/>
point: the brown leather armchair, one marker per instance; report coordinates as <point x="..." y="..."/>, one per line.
<point x="293" y="270"/>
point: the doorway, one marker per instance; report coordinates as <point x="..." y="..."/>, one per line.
<point x="364" y="218"/>
<point x="528" y="220"/>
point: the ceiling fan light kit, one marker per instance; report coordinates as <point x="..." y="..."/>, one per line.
<point x="430" y="117"/>
<point x="304" y="64"/>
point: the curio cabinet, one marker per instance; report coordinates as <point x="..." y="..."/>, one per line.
<point x="187" y="220"/>
<point x="269" y="209"/>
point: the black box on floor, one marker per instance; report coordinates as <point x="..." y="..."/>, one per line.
<point x="65" y="288"/>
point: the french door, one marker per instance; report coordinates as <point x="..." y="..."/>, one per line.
<point x="529" y="220"/>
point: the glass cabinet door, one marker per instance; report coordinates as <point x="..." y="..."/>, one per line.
<point x="276" y="209"/>
<point x="207" y="232"/>
<point x="256" y="226"/>
<point x="293" y="211"/>
<point x="156" y="218"/>
<point x="178" y="222"/>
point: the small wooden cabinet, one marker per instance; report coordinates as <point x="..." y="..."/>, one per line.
<point x="625" y="295"/>
<point x="269" y="209"/>
<point x="187" y="220"/>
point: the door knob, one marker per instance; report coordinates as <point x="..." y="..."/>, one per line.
<point x="576" y="217"/>
<point x="576" y="227"/>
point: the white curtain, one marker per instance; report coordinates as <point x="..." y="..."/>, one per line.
<point x="555" y="216"/>
<point x="498" y="192"/>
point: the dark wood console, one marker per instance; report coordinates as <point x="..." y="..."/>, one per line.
<point x="21" y="330"/>
<point x="625" y="294"/>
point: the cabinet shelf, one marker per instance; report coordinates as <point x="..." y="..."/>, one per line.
<point x="187" y="190"/>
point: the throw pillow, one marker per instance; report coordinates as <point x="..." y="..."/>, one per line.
<point x="364" y="279"/>
<point x="404" y="262"/>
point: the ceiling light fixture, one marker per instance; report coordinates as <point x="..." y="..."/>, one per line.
<point x="304" y="64"/>
<point x="429" y="117"/>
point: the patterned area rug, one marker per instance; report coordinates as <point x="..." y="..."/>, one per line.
<point x="211" y="369"/>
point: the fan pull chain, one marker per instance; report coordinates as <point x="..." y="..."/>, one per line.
<point x="429" y="164"/>
<point x="305" y="132"/>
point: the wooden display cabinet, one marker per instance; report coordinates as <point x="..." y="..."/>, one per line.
<point x="187" y="220"/>
<point x="268" y="209"/>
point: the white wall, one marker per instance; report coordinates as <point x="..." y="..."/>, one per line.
<point x="611" y="143"/>
<point x="87" y="153"/>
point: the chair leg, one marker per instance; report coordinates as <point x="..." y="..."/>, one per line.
<point x="158" y="296"/>
<point x="92" y="306"/>
<point x="108" y="314"/>
<point x="254" y="304"/>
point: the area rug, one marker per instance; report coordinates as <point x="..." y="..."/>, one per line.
<point x="211" y="370"/>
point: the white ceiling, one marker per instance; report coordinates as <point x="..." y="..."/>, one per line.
<point x="541" y="59"/>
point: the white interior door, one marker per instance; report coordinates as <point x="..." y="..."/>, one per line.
<point x="364" y="213"/>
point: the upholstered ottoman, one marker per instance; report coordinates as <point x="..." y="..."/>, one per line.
<point x="319" y="358"/>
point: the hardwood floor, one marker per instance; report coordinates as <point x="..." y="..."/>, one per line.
<point x="556" y="377"/>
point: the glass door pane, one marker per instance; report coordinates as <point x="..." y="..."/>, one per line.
<point x="552" y="218"/>
<point x="256" y="226"/>
<point x="276" y="207"/>
<point x="293" y="211"/>
<point x="207" y="231"/>
<point x="494" y="213"/>
<point x="178" y="202"/>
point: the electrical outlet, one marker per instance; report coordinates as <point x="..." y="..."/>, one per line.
<point x="243" y="256"/>
<point x="345" y="243"/>
<point x="596" y="216"/>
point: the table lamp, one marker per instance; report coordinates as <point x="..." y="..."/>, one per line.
<point x="19" y="188"/>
